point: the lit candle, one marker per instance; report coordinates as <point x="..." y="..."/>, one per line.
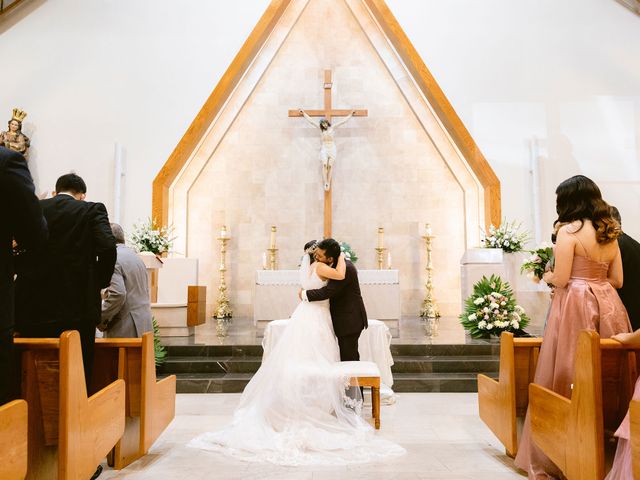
<point x="388" y="259"/>
<point x="428" y="230"/>
<point x="264" y="260"/>
<point x="273" y="236"/>
<point x="223" y="232"/>
<point x="380" y="237"/>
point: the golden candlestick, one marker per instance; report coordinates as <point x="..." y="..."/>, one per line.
<point x="429" y="308"/>
<point x="380" y="253"/>
<point x="223" y="310"/>
<point x="272" y="263"/>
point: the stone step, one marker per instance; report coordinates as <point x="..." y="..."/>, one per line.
<point x="489" y="349"/>
<point x="403" y="382"/>
<point x="212" y="365"/>
<point x="446" y="364"/>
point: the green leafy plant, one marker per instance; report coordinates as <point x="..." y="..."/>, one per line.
<point x="491" y="309"/>
<point x="349" y="254"/>
<point x="159" y="349"/>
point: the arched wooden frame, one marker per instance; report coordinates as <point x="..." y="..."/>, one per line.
<point x="408" y="54"/>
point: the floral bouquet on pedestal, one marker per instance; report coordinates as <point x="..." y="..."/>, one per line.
<point x="540" y="261"/>
<point x="150" y="237"/>
<point x="491" y="309"/>
<point x="507" y="236"/>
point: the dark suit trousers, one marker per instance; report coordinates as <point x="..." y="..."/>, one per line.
<point x="349" y="348"/>
<point x="7" y="366"/>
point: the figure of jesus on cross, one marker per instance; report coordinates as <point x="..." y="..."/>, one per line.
<point x="328" y="149"/>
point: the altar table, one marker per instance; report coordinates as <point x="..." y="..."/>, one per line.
<point x="374" y="345"/>
<point x="276" y="293"/>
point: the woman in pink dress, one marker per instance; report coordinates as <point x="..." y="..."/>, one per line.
<point x="587" y="270"/>
<point x="622" y="468"/>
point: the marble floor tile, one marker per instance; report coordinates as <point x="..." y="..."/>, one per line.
<point x="442" y="433"/>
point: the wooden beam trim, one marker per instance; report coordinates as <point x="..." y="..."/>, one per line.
<point x="442" y="107"/>
<point x="212" y="106"/>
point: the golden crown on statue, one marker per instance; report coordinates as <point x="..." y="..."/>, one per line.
<point x="18" y="114"/>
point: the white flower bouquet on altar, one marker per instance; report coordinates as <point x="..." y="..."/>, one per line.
<point x="491" y="309"/>
<point x="507" y="236"/>
<point x="540" y="261"/>
<point x="150" y="237"/>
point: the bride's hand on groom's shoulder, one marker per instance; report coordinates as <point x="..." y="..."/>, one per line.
<point x="300" y="294"/>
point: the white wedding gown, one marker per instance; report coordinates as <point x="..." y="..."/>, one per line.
<point x="293" y="411"/>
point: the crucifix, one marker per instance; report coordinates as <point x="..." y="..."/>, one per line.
<point x="328" y="150"/>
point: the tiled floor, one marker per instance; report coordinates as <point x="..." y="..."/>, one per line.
<point x="442" y="433"/>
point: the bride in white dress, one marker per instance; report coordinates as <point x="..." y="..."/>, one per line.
<point x="294" y="411"/>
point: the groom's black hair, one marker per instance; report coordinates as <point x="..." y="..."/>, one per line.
<point x="331" y="249"/>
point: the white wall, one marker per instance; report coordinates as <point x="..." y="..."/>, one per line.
<point x="95" y="72"/>
<point x="565" y="72"/>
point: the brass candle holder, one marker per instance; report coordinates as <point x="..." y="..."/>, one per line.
<point x="272" y="263"/>
<point x="223" y="309"/>
<point x="429" y="310"/>
<point x="380" y="253"/>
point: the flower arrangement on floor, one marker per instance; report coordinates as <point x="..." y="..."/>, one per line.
<point x="491" y="309"/>
<point x="150" y="237"/>
<point x="507" y="236"/>
<point x="540" y="261"/>
<point x="349" y="254"/>
<point x="159" y="350"/>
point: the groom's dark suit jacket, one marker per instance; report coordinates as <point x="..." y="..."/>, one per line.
<point x="348" y="314"/>
<point x="630" y="291"/>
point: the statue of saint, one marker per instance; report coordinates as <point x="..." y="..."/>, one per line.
<point x="328" y="148"/>
<point x="13" y="138"/>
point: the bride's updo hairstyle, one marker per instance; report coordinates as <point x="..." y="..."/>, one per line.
<point x="310" y="249"/>
<point x="578" y="199"/>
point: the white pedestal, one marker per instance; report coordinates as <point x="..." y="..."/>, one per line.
<point x="172" y="319"/>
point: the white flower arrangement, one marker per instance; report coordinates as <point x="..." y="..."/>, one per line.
<point x="491" y="309"/>
<point x="149" y="237"/>
<point x="507" y="236"/>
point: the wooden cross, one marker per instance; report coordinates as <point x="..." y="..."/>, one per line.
<point x="328" y="113"/>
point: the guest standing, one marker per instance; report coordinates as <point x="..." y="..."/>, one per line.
<point x="20" y="220"/>
<point x="630" y="291"/>
<point x="587" y="270"/>
<point x="59" y="289"/>
<point x="126" y="310"/>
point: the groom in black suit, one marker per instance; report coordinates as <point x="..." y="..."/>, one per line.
<point x="348" y="314"/>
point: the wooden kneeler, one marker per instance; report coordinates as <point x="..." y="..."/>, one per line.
<point x="13" y="440"/>
<point x="69" y="432"/>
<point x="150" y="405"/>
<point x="501" y="402"/>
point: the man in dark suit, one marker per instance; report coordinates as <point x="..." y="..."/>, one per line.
<point x="59" y="289"/>
<point x="348" y="314"/>
<point x="20" y="220"/>
<point x="630" y="291"/>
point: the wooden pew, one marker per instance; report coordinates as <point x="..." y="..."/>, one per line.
<point x="501" y="402"/>
<point x="69" y="432"/>
<point x="634" y="409"/>
<point x="13" y="440"/>
<point x="571" y="431"/>
<point x="149" y="406"/>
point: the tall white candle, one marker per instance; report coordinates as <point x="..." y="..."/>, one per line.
<point x="264" y="260"/>
<point x="428" y="230"/>
<point x="380" y="237"/>
<point x="388" y="259"/>
<point x="272" y="243"/>
<point x="223" y="232"/>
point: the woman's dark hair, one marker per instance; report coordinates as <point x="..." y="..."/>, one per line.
<point x="307" y="246"/>
<point x="578" y="199"/>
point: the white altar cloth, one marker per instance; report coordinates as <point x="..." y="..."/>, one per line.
<point x="276" y="293"/>
<point x="374" y="345"/>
